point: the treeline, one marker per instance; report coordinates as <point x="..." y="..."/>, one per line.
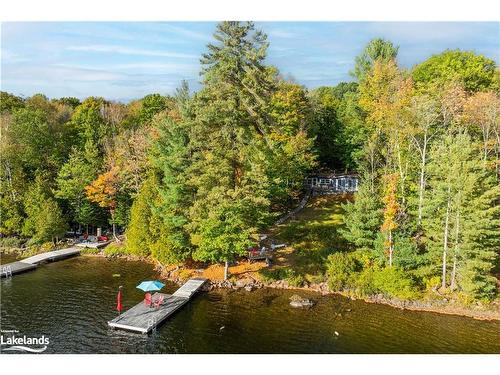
<point x="187" y="175"/>
<point x="198" y="176"/>
<point x="426" y="215"/>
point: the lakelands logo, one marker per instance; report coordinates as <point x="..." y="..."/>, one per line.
<point x="11" y="342"/>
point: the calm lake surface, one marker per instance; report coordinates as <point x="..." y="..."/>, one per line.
<point x="70" y="302"/>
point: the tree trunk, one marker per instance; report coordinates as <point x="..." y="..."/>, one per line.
<point x="226" y="270"/>
<point x="390" y="248"/>
<point x="453" y="284"/>
<point x="445" y="244"/>
<point x="114" y="225"/>
<point x="422" y="181"/>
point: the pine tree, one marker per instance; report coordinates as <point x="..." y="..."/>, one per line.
<point x="138" y="234"/>
<point x="227" y="138"/>
<point x="362" y="218"/>
<point x="171" y="160"/>
<point x="50" y="222"/>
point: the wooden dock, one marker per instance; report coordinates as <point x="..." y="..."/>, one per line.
<point x="14" y="268"/>
<point x="144" y="319"/>
<point x="30" y="263"/>
<point x="51" y="256"/>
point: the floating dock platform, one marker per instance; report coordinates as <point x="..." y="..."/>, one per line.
<point x="143" y="319"/>
<point x="14" y="268"/>
<point x="30" y="263"/>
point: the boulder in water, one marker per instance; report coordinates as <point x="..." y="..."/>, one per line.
<point x="298" y="301"/>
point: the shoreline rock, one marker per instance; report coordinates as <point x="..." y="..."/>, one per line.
<point x="298" y="301"/>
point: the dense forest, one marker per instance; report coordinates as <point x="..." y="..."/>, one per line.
<point x="199" y="175"/>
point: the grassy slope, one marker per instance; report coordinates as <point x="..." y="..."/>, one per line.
<point x="311" y="236"/>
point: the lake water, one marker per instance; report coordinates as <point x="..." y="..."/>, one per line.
<point x="71" y="301"/>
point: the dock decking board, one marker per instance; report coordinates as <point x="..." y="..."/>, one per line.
<point x="144" y="319"/>
<point x="32" y="262"/>
<point x="189" y="288"/>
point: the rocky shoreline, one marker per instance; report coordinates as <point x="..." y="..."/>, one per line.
<point x="250" y="284"/>
<point x="437" y="306"/>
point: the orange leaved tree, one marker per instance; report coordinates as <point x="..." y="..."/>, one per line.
<point x="103" y="192"/>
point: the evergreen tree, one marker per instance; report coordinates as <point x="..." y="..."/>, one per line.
<point x="227" y="137"/>
<point x="362" y="218"/>
<point x="171" y="159"/>
<point x="461" y="218"/>
<point x="138" y="233"/>
<point x="50" y="222"/>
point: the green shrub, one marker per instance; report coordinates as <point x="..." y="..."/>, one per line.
<point x="287" y="274"/>
<point x="363" y="283"/>
<point x="432" y="282"/>
<point x="295" y="280"/>
<point x="115" y="248"/>
<point x="341" y="268"/>
<point x="90" y="250"/>
<point x="274" y="275"/>
<point x="475" y="283"/>
<point x="10" y="242"/>
<point x="47" y="246"/>
<point x="395" y="282"/>
<point x="316" y="279"/>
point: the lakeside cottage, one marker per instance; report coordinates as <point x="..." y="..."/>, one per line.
<point x="332" y="183"/>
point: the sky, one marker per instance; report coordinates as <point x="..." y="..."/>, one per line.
<point x="128" y="60"/>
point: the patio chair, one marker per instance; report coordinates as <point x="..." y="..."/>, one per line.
<point x="159" y="301"/>
<point x="147" y="299"/>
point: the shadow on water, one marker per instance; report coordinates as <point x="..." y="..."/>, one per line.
<point x="71" y="301"/>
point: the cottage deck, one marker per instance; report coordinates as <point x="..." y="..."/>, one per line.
<point x="144" y="319"/>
